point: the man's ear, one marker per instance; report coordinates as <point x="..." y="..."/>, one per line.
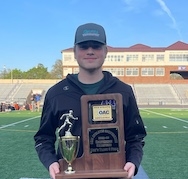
<point x="106" y="49"/>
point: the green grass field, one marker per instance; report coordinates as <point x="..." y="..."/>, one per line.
<point x="165" y="152"/>
<point x="166" y="148"/>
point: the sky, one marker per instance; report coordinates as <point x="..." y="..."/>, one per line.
<point x="34" y="32"/>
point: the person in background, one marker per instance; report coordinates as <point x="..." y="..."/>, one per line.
<point x="1" y="107"/>
<point x="10" y="107"/>
<point x="27" y="106"/>
<point x="37" y="100"/>
<point x="90" y="50"/>
<point x="16" y="106"/>
<point x="32" y="101"/>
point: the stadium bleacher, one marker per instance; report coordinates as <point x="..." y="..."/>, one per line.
<point x="182" y="92"/>
<point x="146" y="94"/>
<point x="156" y="94"/>
<point x="19" y="92"/>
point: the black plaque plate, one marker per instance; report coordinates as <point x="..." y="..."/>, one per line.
<point x="103" y="140"/>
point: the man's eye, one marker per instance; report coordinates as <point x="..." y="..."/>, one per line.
<point x="83" y="46"/>
<point x="93" y="46"/>
<point x="96" y="46"/>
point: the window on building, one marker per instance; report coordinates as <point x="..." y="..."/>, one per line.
<point x="178" y="57"/>
<point x="148" y="58"/>
<point x="147" y="72"/>
<point x="132" y="58"/>
<point x="75" y="70"/>
<point x="159" y="72"/>
<point x="67" y="71"/>
<point x="115" y="71"/>
<point x="159" y="57"/>
<point x="132" y="72"/>
<point x="185" y="57"/>
<point x="67" y="58"/>
<point x="115" y="58"/>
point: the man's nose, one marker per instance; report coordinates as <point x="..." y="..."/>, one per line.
<point x="90" y="50"/>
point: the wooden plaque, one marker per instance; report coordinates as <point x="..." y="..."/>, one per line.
<point x="103" y="139"/>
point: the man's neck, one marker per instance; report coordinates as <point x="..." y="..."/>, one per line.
<point x="90" y="77"/>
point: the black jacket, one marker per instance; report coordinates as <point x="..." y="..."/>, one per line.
<point x="66" y="95"/>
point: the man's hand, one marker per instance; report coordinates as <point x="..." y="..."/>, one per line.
<point x="54" y="169"/>
<point x="130" y="168"/>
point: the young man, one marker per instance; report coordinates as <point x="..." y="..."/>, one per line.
<point x="90" y="51"/>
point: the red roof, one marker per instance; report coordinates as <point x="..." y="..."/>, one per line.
<point x="140" y="46"/>
<point x="136" y="48"/>
<point x="178" y="46"/>
<point x="67" y="50"/>
<point x="145" y="48"/>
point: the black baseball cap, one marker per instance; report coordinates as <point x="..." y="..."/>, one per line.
<point x="90" y="32"/>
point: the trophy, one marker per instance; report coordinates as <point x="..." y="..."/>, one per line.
<point x="102" y="137"/>
<point x="68" y="144"/>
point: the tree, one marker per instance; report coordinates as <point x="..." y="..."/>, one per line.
<point x="175" y="76"/>
<point x="15" y="74"/>
<point x="11" y="74"/>
<point x="3" y="73"/>
<point x="57" y="70"/>
<point x="38" y="72"/>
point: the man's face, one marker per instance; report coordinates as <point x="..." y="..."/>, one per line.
<point x="90" y="55"/>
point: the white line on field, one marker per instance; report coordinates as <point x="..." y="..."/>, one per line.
<point x="165" y="115"/>
<point x="2" y="127"/>
<point x="34" y="178"/>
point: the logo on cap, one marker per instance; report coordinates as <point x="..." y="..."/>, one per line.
<point x="90" y="33"/>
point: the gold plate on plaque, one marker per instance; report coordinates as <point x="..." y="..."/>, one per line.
<point x="102" y="112"/>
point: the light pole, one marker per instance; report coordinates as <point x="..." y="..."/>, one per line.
<point x="4" y="69"/>
<point x="11" y="75"/>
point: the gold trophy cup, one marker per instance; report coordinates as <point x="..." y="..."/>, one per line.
<point x="69" y="144"/>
